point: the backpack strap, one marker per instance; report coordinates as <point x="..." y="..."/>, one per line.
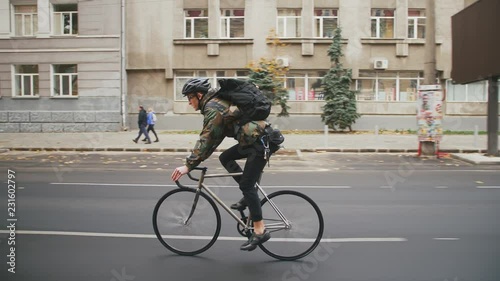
<point x="208" y="97"/>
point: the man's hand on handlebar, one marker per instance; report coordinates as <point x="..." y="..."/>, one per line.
<point x="179" y="172"/>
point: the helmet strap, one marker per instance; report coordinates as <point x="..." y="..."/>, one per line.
<point x="199" y="100"/>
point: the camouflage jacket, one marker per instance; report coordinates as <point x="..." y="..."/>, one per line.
<point x="220" y="122"/>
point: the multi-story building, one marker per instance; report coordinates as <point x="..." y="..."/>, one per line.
<point x="166" y="42"/>
<point x="169" y="42"/>
<point x="60" y="66"/>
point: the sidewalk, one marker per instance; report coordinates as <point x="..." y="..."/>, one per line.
<point x="467" y="146"/>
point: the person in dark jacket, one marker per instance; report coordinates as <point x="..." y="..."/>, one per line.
<point x="219" y="122"/>
<point x="143" y="124"/>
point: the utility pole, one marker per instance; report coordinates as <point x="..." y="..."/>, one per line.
<point x="428" y="148"/>
<point x="430" y="44"/>
<point x="492" y="121"/>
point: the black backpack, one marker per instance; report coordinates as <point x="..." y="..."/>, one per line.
<point x="251" y="102"/>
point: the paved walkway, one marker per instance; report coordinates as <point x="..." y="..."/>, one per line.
<point x="171" y="142"/>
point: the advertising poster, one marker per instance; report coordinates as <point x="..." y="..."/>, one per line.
<point x="429" y="113"/>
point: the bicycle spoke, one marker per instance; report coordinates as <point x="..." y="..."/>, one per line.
<point x="301" y="233"/>
<point x="183" y="228"/>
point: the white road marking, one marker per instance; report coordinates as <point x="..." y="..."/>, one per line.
<point x="219" y="186"/>
<point x="224" y="238"/>
<point x="347" y="240"/>
<point x="308" y="186"/>
<point x="112" y="184"/>
<point x="446" y="239"/>
<point x="233" y="186"/>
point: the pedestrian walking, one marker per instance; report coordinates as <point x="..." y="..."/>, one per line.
<point x="143" y="123"/>
<point x="151" y="123"/>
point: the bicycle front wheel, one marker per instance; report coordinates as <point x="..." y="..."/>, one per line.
<point x="182" y="229"/>
<point x="305" y="225"/>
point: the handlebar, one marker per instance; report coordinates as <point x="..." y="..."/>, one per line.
<point x="180" y="185"/>
<point x="193" y="178"/>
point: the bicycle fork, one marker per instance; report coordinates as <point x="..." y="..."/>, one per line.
<point x="195" y="202"/>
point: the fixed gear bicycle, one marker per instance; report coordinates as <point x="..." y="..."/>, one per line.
<point x="187" y="221"/>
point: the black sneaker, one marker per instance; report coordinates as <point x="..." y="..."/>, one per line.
<point x="255" y="240"/>
<point x="134" y="140"/>
<point x="240" y="205"/>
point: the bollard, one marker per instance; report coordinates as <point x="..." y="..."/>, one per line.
<point x="326" y="135"/>
<point x="476" y="133"/>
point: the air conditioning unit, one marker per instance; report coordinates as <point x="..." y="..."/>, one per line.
<point x="282" y="62"/>
<point x="380" y="64"/>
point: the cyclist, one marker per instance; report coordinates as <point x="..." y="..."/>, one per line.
<point x="220" y="122"/>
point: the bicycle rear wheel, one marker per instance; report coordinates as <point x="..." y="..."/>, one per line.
<point x="191" y="238"/>
<point x="305" y="225"/>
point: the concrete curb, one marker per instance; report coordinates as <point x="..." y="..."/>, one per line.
<point x="476" y="159"/>
<point x="282" y="151"/>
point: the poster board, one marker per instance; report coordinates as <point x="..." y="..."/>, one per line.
<point x="430" y="113"/>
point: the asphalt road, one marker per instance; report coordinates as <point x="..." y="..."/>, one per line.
<point x="387" y="217"/>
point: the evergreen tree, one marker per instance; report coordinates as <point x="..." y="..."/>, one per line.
<point x="340" y="109"/>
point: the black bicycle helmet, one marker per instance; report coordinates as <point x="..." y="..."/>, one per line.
<point x="195" y="85"/>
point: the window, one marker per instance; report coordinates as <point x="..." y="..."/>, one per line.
<point x="233" y="23"/>
<point x="65" y="80"/>
<point x="416" y="24"/>
<point x="388" y="86"/>
<point x="181" y="77"/>
<point x="196" y="23"/>
<point x="25" y="20"/>
<point x="472" y="92"/>
<point x="382" y="23"/>
<point x="304" y="86"/>
<point x="65" y="19"/>
<point x="288" y="23"/>
<point x="25" y="80"/>
<point x="325" y="22"/>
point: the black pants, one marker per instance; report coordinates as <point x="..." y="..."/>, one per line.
<point x="142" y="130"/>
<point x="253" y="168"/>
<point x="151" y="127"/>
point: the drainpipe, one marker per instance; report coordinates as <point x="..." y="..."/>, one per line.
<point x="123" y="72"/>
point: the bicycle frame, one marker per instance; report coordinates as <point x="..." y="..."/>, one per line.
<point x="246" y="226"/>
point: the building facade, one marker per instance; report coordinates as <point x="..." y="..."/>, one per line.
<point x="60" y="66"/>
<point x="73" y="65"/>
<point x="169" y="42"/>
